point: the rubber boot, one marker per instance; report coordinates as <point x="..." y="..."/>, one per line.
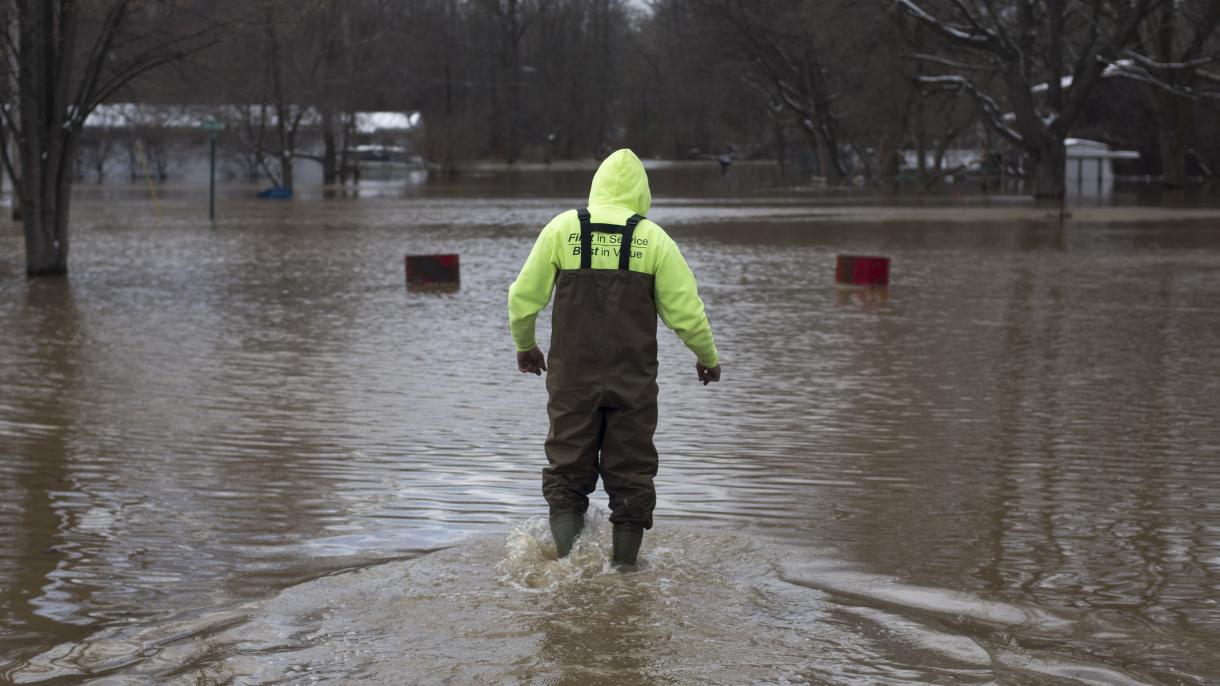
<point x="626" y="540"/>
<point x="565" y="527"/>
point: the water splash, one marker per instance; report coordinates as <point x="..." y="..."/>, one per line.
<point x="532" y="564"/>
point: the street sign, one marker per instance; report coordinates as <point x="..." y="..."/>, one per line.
<point x="213" y="127"/>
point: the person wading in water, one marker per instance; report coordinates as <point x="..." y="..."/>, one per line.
<point x="613" y="272"/>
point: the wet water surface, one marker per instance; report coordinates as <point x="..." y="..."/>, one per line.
<point x="247" y="454"/>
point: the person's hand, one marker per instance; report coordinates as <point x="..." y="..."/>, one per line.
<point x="708" y="374"/>
<point x="534" y="362"/>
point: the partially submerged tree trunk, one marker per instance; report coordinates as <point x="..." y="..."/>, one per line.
<point x="45" y="223"/>
<point x="45" y="202"/>
<point x="345" y="146"/>
<point x="329" y="153"/>
<point x="47" y="33"/>
<point x="889" y="147"/>
<point x="286" y="169"/>
<point x="1047" y="169"/>
<point x="60" y="80"/>
<point x="1174" y="119"/>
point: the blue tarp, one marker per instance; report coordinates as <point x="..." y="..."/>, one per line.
<point x="276" y="193"/>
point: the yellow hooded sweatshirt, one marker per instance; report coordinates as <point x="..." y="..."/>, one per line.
<point x="619" y="189"/>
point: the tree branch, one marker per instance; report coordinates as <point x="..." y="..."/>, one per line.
<point x="946" y="62"/>
<point x="1128" y="71"/>
<point x="96" y="61"/>
<point x="143" y="63"/>
<point x="974" y="37"/>
<point x="8" y="163"/>
<point x="994" y="116"/>
<point x="1149" y="63"/>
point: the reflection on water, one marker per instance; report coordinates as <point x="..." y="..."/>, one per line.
<point x="248" y="452"/>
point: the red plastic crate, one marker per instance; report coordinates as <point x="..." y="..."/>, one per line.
<point x="862" y="270"/>
<point x="433" y="270"/>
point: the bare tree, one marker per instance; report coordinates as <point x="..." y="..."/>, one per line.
<point x="348" y="34"/>
<point x="513" y="19"/>
<point x="72" y="55"/>
<point x="779" y="39"/>
<point x="1176" y="45"/>
<point x="1033" y="65"/>
<point x="288" y="114"/>
<point x="299" y="71"/>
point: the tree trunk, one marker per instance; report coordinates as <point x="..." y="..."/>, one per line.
<point x="838" y="173"/>
<point x="282" y="109"/>
<point x="1173" y="157"/>
<point x="45" y="253"/>
<point x="511" y="143"/>
<point x="1171" y="113"/>
<point x="830" y="163"/>
<point x="286" y="169"/>
<point x="448" y="166"/>
<point x="345" y="163"/>
<point x="889" y="163"/>
<point x="1173" y="131"/>
<point x="1047" y="165"/>
<point x="329" y="154"/>
<point x="45" y="200"/>
<point x="781" y="148"/>
<point x="820" y="148"/>
<point x="46" y="143"/>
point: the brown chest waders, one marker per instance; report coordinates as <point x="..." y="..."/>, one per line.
<point x="602" y="382"/>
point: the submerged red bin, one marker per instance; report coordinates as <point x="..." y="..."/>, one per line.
<point x="433" y="270"/>
<point x="862" y="270"/>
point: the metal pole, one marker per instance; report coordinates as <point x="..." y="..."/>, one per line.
<point x="212" y="182"/>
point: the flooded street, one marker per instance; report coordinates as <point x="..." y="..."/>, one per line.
<point x="247" y="454"/>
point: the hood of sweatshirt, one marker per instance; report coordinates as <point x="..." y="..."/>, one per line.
<point x="621" y="181"/>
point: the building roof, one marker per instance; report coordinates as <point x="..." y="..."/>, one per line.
<point x="130" y="115"/>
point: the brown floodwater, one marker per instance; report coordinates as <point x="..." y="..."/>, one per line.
<point x="248" y="454"/>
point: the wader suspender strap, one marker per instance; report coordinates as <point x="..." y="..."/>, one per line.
<point x="586" y="239"/>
